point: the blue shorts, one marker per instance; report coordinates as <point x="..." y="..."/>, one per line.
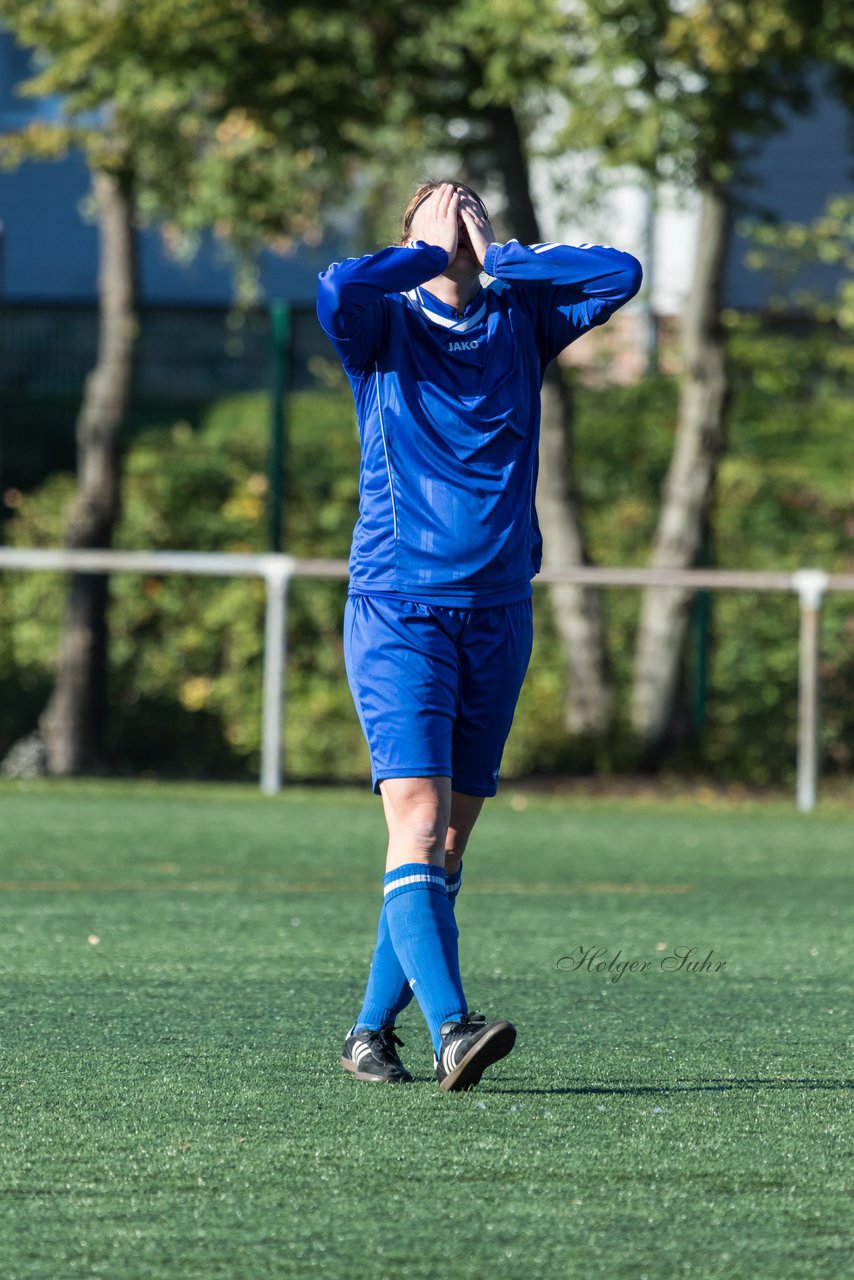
<point x="435" y="688"/>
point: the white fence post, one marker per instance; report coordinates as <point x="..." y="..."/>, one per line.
<point x="278" y="571"/>
<point x="810" y="585"/>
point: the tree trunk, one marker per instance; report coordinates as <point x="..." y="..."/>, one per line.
<point x="577" y="610"/>
<point x="689" y="487"/>
<point x="74" y="721"/>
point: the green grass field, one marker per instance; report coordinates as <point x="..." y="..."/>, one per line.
<point x="179" y="966"/>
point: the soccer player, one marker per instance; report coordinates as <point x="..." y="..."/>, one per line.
<point x="445" y="339"/>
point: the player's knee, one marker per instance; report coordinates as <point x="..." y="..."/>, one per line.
<point x="417" y="812"/>
<point x="425" y="835"/>
<point x="419" y="831"/>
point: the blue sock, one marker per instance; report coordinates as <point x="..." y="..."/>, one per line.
<point x="388" y="992"/>
<point x="453" y="880"/>
<point x="424" y="934"/>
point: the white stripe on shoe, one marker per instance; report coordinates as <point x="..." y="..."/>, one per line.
<point x="452" y="1054"/>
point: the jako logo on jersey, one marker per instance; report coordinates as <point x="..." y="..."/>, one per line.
<point x="465" y="346"/>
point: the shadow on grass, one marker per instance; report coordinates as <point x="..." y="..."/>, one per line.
<point x="715" y="1085"/>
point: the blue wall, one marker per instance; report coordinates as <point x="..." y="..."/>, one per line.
<point x="792" y="177"/>
<point x="50" y="253"/>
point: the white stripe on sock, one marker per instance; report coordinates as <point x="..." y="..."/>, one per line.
<point x="421" y="878"/>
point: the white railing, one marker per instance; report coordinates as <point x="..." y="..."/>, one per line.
<point x="277" y="571"/>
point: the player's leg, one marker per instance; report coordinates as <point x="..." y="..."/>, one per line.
<point x="403" y="664"/>
<point x="494" y="649"/>
<point x="465" y="811"/>
<point x="417" y="938"/>
<point x="417" y="813"/>
<point x="388" y="991"/>
<point x="420" y="917"/>
<point x="423" y="929"/>
<point x="403" y="673"/>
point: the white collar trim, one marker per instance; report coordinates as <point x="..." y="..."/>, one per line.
<point x="458" y="326"/>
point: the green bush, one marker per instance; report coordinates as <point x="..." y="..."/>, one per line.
<point x="186" y="653"/>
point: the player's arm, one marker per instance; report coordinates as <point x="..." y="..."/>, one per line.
<point x="586" y="272"/>
<point x="573" y="289"/>
<point x="350" y="295"/>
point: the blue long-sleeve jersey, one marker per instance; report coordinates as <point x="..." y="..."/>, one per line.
<point x="448" y="407"/>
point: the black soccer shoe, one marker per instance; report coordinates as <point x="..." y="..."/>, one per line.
<point x="468" y="1048"/>
<point x="371" y="1055"/>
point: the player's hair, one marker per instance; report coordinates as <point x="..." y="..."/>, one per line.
<point x="421" y="194"/>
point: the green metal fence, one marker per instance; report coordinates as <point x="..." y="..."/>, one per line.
<point x="186" y="358"/>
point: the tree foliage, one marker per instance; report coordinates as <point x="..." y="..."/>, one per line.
<point x="186" y="659"/>
<point x="668" y="87"/>
<point x="241" y="115"/>
<point x="249" y="116"/>
<point x="788" y="252"/>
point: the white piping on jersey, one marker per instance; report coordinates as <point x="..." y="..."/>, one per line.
<point x="385" y="449"/>
<point x="543" y="248"/>
<point x="458" y="326"/>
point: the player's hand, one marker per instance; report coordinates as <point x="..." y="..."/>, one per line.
<point x="480" y="233"/>
<point x="435" y="221"/>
